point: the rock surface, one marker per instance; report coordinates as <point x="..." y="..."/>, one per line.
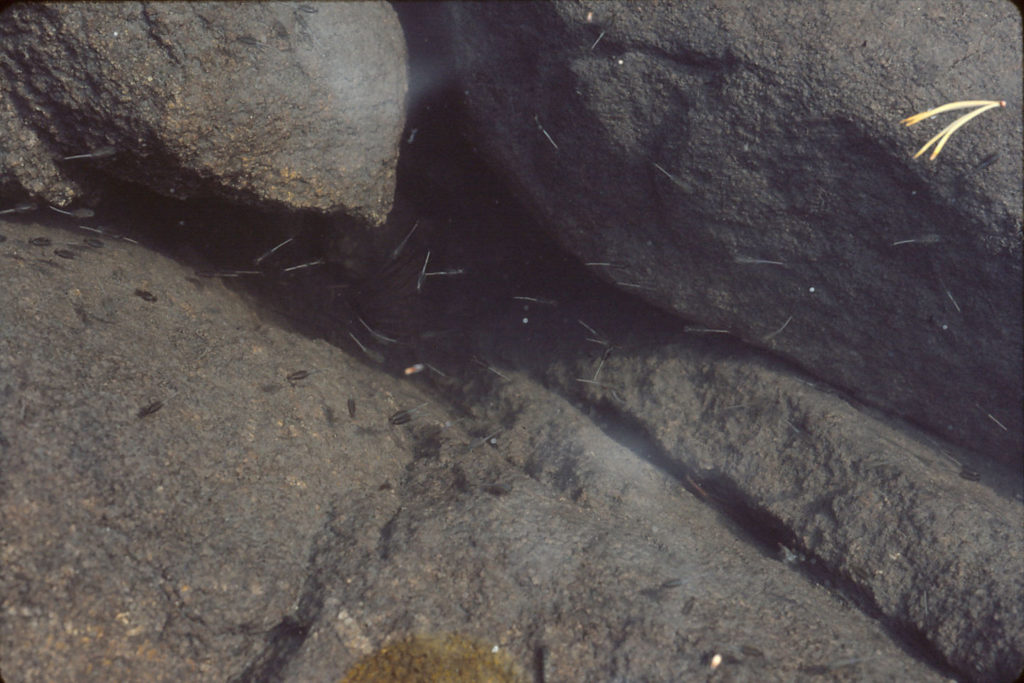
<point x="251" y="529"/>
<point x="747" y="169"/>
<point x="269" y="103"/>
<point x="217" y="468"/>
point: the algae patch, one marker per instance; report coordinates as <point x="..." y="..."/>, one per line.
<point x="427" y="658"/>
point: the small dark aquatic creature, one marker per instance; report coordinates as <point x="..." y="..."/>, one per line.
<point x="404" y="416"/>
<point x="969" y="474"/>
<point x="147" y="410"/>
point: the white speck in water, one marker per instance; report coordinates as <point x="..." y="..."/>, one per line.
<point x="526" y="320"/>
<point x="115" y="34"/>
<point x="621" y="62"/>
<point x="494" y="650"/>
<point x="811" y="290"/>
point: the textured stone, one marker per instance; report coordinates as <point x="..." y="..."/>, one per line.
<point x="263" y="102"/>
<point x="249" y="529"/>
<point x="745" y="166"/>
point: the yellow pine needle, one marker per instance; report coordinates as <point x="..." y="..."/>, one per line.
<point x="943" y="137"/>
<point x="948" y="131"/>
<point x="949" y="107"/>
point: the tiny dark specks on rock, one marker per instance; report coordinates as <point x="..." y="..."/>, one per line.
<point x="147" y="410"/>
<point x="3" y="238"/>
<point x="400" y="418"/>
<point x="270" y="388"/>
<point x="40" y="242"/>
<point x="352" y="408"/>
<point x="969" y="474"/>
<point x="145" y="295"/>
<point x="404" y="416"/>
<point x="751" y="651"/>
<point x="93" y="242"/>
<point x="64" y="253"/>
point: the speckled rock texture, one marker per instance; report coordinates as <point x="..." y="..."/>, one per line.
<point x="257" y="436"/>
<point x="287" y="104"/>
<point x="249" y="528"/>
<point x="745" y="166"/>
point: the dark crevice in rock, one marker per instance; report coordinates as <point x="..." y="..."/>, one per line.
<point x="761" y="528"/>
<point x="756" y="526"/>
<point x="285" y="639"/>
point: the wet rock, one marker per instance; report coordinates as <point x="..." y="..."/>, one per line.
<point x="280" y="104"/>
<point x="894" y="519"/>
<point x="747" y="168"/>
<point x="563" y="548"/>
<point x="137" y="541"/>
<point x="885" y="512"/>
<point x="193" y="483"/>
<point x="251" y="528"/>
<point x="26" y="168"/>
